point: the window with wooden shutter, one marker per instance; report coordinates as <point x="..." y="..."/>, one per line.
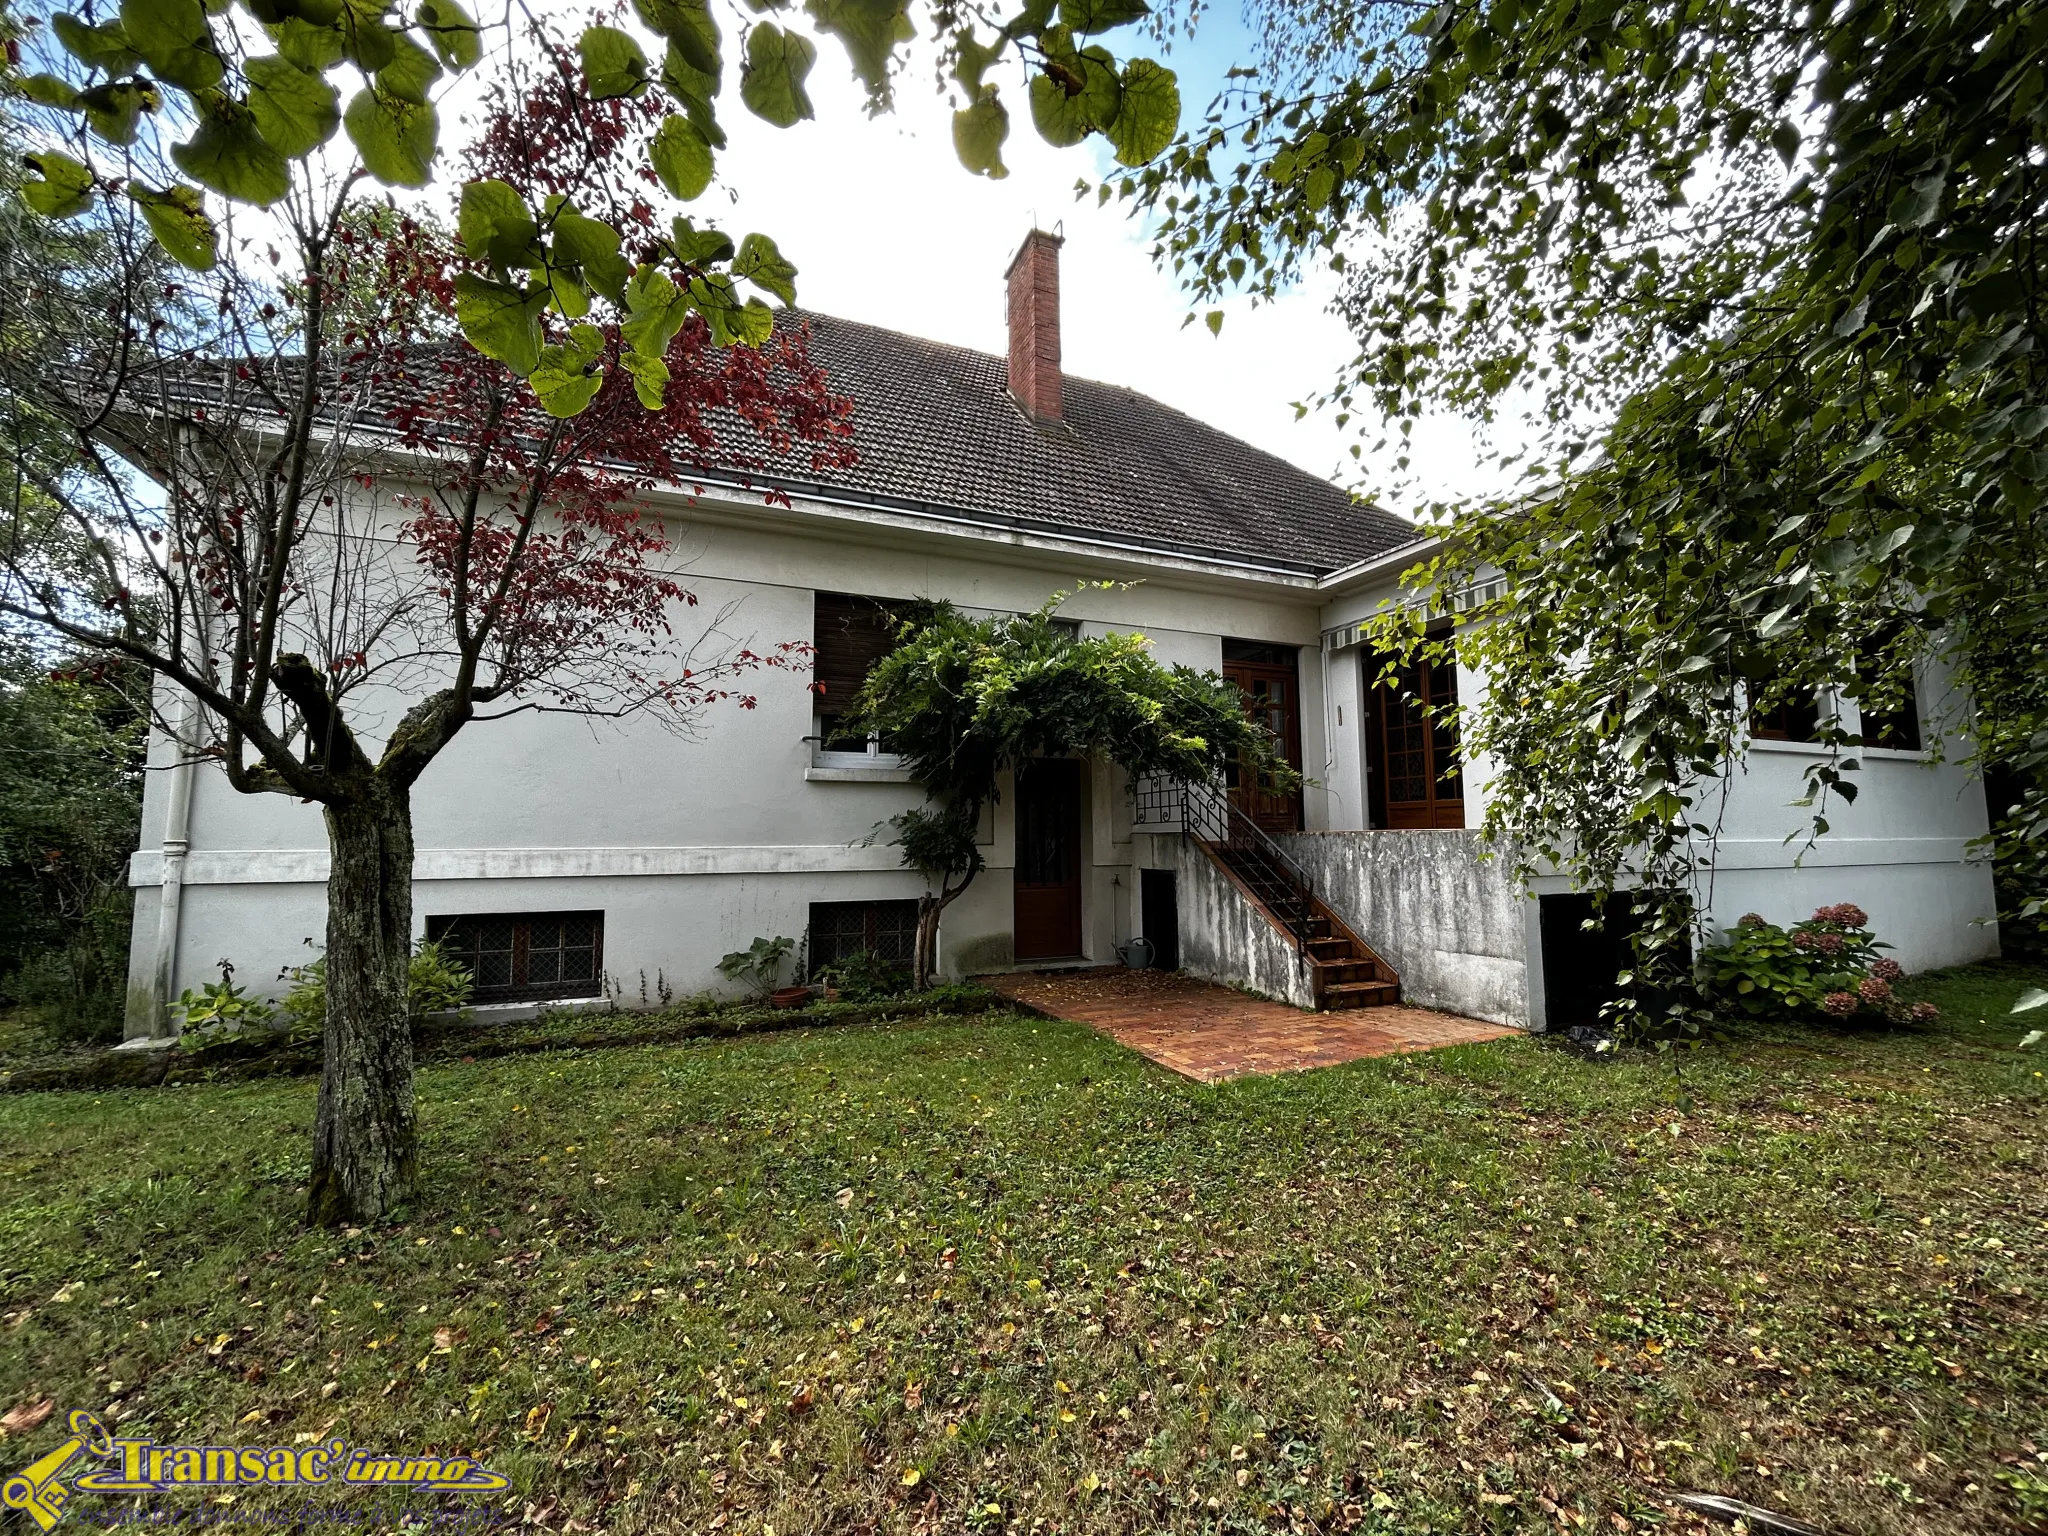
<point x="851" y="634"/>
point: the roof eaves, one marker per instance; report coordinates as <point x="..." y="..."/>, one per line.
<point x="1394" y="560"/>
<point x="831" y="495"/>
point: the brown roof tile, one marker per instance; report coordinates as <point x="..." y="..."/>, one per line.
<point x="937" y="431"/>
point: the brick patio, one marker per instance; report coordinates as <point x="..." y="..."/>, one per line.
<point x="1212" y="1034"/>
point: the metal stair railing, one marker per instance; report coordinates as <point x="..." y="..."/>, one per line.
<point x="1208" y="813"/>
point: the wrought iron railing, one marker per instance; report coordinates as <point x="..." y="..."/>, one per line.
<point x="1206" y="812"/>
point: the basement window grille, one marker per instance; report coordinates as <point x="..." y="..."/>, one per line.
<point x="842" y="929"/>
<point x="525" y="957"/>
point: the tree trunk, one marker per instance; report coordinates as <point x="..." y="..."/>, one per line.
<point x="925" y="947"/>
<point x="365" y="1139"/>
<point x="924" y="950"/>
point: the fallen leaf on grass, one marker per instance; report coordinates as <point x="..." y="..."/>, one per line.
<point x="23" y="1417"/>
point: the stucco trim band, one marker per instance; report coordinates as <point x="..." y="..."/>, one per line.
<point x="308" y="866"/>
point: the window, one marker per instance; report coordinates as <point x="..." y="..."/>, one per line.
<point x="1897" y="727"/>
<point x="851" y="634"/>
<point x="1895" y="723"/>
<point x="526" y="957"/>
<point x="1412" y="743"/>
<point x="842" y="929"/>
<point x="1587" y="947"/>
<point x="1269" y="688"/>
<point x="1789" y="719"/>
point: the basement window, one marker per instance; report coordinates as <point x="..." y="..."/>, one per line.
<point x="1587" y="947"/>
<point x="842" y="929"/>
<point x="525" y="957"/>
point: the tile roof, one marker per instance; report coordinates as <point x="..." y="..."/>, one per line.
<point x="936" y="430"/>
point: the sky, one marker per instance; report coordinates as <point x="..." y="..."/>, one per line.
<point x="886" y="227"/>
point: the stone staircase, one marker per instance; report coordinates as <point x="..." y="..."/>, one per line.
<point x="1343" y="970"/>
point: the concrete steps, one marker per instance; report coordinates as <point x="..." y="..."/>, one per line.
<point x="1343" y="970"/>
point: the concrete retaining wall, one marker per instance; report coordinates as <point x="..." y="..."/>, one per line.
<point x="1224" y="938"/>
<point x="1456" y="929"/>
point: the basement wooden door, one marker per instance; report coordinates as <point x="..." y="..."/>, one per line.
<point x="1271" y="684"/>
<point x="1048" y="899"/>
<point x="1417" y="778"/>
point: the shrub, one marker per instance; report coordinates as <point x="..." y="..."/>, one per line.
<point x="1828" y="964"/>
<point x="865" y="977"/>
<point x="221" y="1010"/>
<point x="434" y="984"/>
<point x="759" y="965"/>
<point x="77" y="989"/>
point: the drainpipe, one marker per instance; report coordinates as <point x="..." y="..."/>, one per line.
<point x="177" y="843"/>
<point x="1329" y="739"/>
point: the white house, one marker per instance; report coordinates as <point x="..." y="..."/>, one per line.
<point x="570" y="859"/>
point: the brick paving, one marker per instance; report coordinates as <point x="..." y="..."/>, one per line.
<point x="1212" y="1033"/>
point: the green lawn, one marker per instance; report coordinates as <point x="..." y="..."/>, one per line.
<point x="1000" y="1274"/>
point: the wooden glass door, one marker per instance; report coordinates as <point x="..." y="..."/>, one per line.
<point x="1418" y="780"/>
<point x="1267" y="678"/>
<point x="1048" y="899"/>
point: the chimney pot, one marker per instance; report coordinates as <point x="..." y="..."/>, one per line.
<point x="1034" y="309"/>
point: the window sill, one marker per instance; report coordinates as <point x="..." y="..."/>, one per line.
<point x="1815" y="749"/>
<point x="819" y="773"/>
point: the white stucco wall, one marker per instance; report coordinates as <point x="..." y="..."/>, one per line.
<point x="693" y="844"/>
<point x="1901" y="849"/>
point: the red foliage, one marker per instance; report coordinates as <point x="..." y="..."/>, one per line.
<point x="538" y="533"/>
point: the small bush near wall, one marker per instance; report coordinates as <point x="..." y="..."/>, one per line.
<point x="434" y="984"/>
<point x="1829" y="965"/>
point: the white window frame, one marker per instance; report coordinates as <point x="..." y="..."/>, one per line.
<point x="874" y="766"/>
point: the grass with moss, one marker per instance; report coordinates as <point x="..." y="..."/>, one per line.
<point x="1001" y="1274"/>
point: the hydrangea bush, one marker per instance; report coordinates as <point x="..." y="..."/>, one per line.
<point x="1828" y="964"/>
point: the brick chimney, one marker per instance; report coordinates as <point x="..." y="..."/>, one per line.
<point x="1034" y="311"/>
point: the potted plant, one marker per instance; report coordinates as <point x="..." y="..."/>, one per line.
<point x="758" y="967"/>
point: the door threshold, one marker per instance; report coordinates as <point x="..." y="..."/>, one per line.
<point x="1056" y="963"/>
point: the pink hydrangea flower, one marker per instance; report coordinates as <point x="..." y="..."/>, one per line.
<point x="1803" y="940"/>
<point x="1749" y="920"/>
<point x="1888" y="970"/>
<point x="1875" y="991"/>
<point x="1925" y="1013"/>
<point x="1829" y="943"/>
<point x="1840" y="1004"/>
<point x="1846" y="913"/>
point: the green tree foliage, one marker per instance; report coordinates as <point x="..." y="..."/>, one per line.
<point x="965" y="700"/>
<point x="70" y="745"/>
<point x="1770" y="276"/>
<point x="186" y="109"/>
<point x="70" y="802"/>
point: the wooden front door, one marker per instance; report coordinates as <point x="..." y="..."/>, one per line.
<point x="1048" y="915"/>
<point x="1418" y="780"/>
<point x="1267" y="678"/>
